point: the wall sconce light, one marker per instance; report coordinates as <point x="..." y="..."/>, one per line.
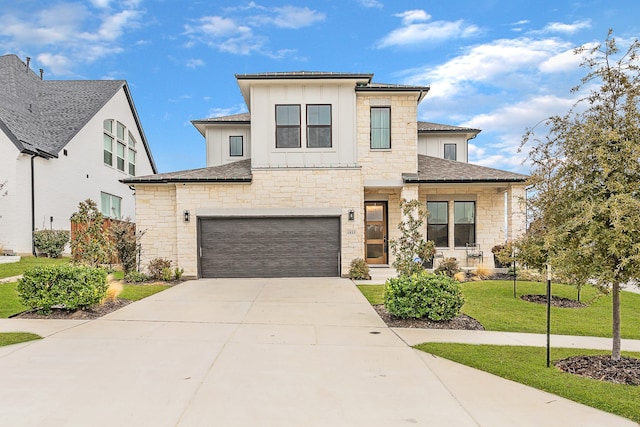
<point x="186" y="216"/>
<point x="352" y="215"/>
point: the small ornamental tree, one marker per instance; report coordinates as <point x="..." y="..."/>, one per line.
<point x="126" y="242"/>
<point x="410" y="249"/>
<point x="90" y="242"/>
<point x="586" y="177"/>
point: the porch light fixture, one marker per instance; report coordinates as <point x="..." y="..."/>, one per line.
<point x="185" y="216"/>
<point x="352" y="215"/>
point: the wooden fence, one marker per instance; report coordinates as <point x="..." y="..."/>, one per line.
<point x="107" y="225"/>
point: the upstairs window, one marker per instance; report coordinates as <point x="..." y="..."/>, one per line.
<point x="438" y="223"/>
<point x="120" y="156"/>
<point x="380" y="127"/>
<point x="236" y="146"/>
<point x="108" y="142"/>
<point x="464" y="218"/>
<point x="132" y="155"/>
<point x="287" y="126"/>
<point x="450" y="151"/>
<point x="318" y="126"/>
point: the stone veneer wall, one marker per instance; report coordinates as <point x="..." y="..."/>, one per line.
<point x="403" y="155"/>
<point x="489" y="217"/>
<point x="271" y="189"/>
<point x="157" y="217"/>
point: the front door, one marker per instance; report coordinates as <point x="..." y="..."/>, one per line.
<point x="375" y="226"/>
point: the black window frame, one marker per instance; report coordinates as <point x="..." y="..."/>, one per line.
<point x="231" y="137"/>
<point x="371" y="128"/>
<point x="284" y="127"/>
<point x="311" y="127"/>
<point x="464" y="232"/>
<point x="436" y="228"/>
<point x="455" y="151"/>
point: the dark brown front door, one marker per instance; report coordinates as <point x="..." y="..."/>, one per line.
<point x="375" y="229"/>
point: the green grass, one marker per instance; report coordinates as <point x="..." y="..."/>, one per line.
<point x="527" y="365"/>
<point x="491" y="302"/>
<point x="16" y="268"/>
<point x="9" y="303"/>
<point x="8" y="338"/>
<point x="138" y="292"/>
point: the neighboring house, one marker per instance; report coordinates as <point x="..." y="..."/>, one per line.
<point x="312" y="178"/>
<point x="61" y="142"/>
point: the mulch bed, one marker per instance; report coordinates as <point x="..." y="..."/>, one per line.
<point x="555" y="301"/>
<point x="602" y="368"/>
<point x="90" y="313"/>
<point x="461" y="322"/>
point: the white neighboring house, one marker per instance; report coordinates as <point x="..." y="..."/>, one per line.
<point x="62" y="142"/>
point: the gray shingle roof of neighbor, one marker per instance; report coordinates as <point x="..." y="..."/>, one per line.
<point x="42" y="116"/>
<point x="239" y="171"/>
<point x="424" y="127"/>
<point x="434" y="170"/>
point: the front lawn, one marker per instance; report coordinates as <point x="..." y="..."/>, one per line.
<point x="491" y="302"/>
<point x="527" y="365"/>
<point x="16" y="268"/>
<point x="8" y="338"/>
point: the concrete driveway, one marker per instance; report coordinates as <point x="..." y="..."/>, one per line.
<point x="258" y="352"/>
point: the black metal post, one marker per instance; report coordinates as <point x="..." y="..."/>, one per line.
<point x="548" y="313"/>
<point x="514" y="278"/>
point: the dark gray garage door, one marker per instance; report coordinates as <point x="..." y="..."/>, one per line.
<point x="269" y="247"/>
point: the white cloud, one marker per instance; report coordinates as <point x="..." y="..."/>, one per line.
<point x="228" y="111"/>
<point x="487" y="63"/>
<point x="415" y="30"/>
<point x="370" y="3"/>
<point x="296" y="17"/>
<point x="559" y="27"/>
<point x="195" y="63"/>
<point x="79" y="32"/>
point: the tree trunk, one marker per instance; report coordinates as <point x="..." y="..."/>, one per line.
<point x="615" y="352"/>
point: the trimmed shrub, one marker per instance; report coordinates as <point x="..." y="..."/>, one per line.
<point x="449" y="267"/>
<point x="178" y="272"/>
<point x="160" y="269"/>
<point x="135" y="276"/>
<point x="66" y="286"/>
<point x="359" y="269"/>
<point x="126" y="244"/>
<point x="436" y="297"/>
<point x="51" y="242"/>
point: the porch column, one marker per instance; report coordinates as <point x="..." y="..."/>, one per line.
<point x="517" y="211"/>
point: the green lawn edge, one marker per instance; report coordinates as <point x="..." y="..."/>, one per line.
<point x="527" y="365"/>
<point x="491" y="302"/>
<point x="9" y="338"/>
<point x="12" y="269"/>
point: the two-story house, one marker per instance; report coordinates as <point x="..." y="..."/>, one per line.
<point x="312" y="177"/>
<point x="61" y="142"/>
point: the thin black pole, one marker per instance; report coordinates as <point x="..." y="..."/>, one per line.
<point x="548" y="313"/>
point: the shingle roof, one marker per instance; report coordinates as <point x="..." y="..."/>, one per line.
<point x="434" y="170"/>
<point x="437" y="127"/>
<point x="304" y="75"/>
<point x="234" y="118"/>
<point x="239" y="171"/>
<point x="42" y="116"/>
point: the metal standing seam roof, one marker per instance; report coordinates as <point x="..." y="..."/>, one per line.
<point x="43" y="116"/>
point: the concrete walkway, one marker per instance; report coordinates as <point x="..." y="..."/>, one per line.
<point x="259" y="352"/>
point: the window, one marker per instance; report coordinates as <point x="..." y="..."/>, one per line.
<point x="235" y="146"/>
<point x="108" y="142"/>
<point x="464" y="218"/>
<point x="318" y="126"/>
<point x="287" y="126"/>
<point x="438" y="223"/>
<point x="380" y="127"/>
<point x="111" y="205"/>
<point x="120" y="156"/>
<point x="132" y="155"/>
<point x="450" y="151"/>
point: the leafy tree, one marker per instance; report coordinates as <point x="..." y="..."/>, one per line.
<point x="126" y="242"/>
<point x="586" y="176"/>
<point x="90" y="242"/>
<point x="411" y="244"/>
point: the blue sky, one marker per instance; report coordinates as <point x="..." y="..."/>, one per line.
<point x="497" y="65"/>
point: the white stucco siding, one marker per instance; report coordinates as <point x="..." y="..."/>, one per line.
<point x="217" y="140"/>
<point x="264" y="98"/>
<point x="10" y="218"/>
<point x="433" y="145"/>
<point x="62" y="183"/>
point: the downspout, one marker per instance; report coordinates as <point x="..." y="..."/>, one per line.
<point x="33" y="207"/>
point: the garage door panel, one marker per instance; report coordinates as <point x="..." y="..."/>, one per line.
<point x="269" y="247"/>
